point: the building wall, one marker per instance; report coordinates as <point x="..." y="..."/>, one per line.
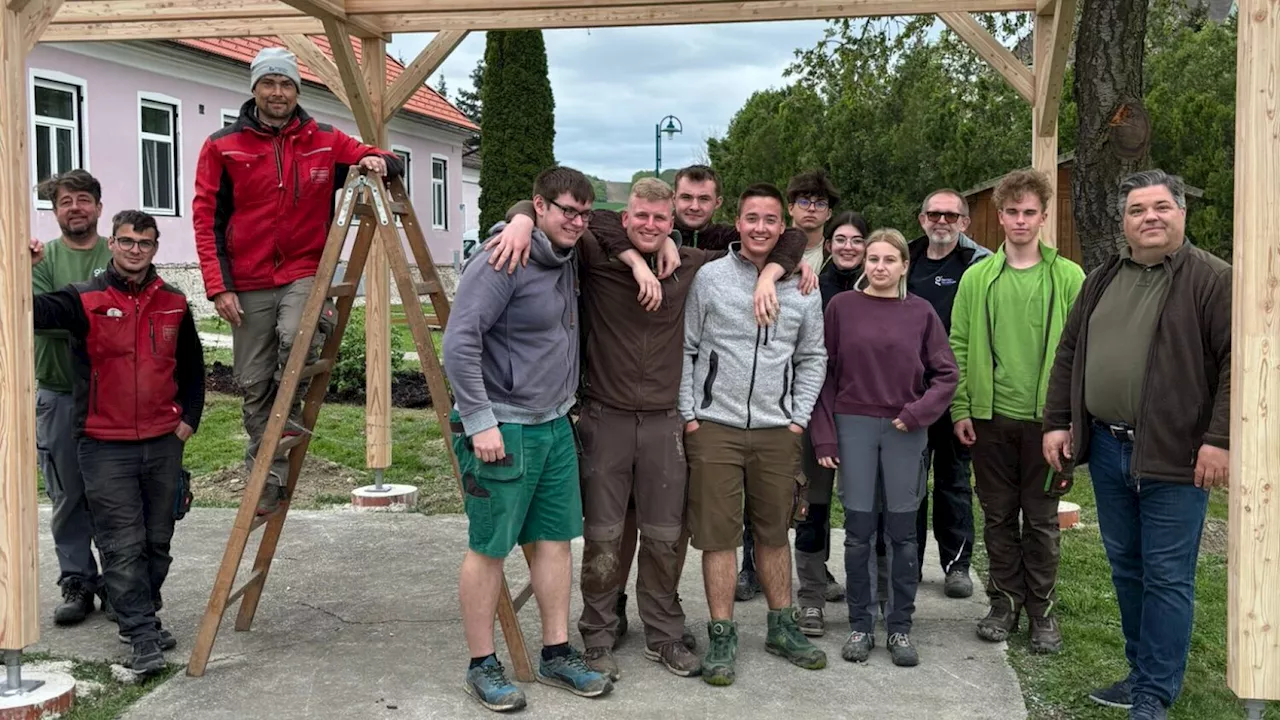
<point x="471" y="198"/>
<point x="114" y="75"/>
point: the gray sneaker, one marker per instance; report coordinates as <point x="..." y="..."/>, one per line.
<point x="811" y="622"/>
<point x="858" y="647"/>
<point x="902" y="651"/>
<point x="958" y="584"/>
<point x="602" y="661"/>
<point x="676" y="658"/>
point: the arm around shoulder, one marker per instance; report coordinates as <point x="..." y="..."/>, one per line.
<point x="60" y="310"/>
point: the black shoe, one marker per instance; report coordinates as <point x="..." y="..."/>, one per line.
<point x="1119" y="695"/>
<point x="105" y="603"/>
<point x="77" y="603"/>
<point x="958" y="584"/>
<point x="748" y="586"/>
<point x="1146" y="707"/>
<point x="167" y="640"/>
<point x="147" y="659"/>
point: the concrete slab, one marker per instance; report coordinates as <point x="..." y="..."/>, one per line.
<point x="360" y="619"/>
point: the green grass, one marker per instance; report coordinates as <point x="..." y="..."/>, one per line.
<point x="213" y="324"/>
<point x="114" y="697"/>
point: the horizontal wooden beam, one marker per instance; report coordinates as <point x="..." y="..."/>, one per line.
<point x="313" y="58"/>
<point x="173" y="30"/>
<point x="1049" y="79"/>
<point x="996" y="55"/>
<point x="417" y="71"/>
<point x="35" y="18"/>
<point x="334" y="10"/>
<point x="1045" y="7"/>
<point x="119" y="11"/>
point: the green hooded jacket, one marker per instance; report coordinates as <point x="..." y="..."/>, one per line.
<point x="971" y="330"/>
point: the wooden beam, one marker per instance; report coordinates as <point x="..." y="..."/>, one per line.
<point x="93" y="11"/>
<point x="1046" y="7"/>
<point x="19" y="555"/>
<point x="315" y="59"/>
<point x="18" y="5"/>
<point x="1050" y="74"/>
<point x="1044" y="138"/>
<point x="419" y="70"/>
<point x="1000" y="58"/>
<point x="1253" y="543"/>
<point x="175" y="29"/>
<point x="35" y="18"/>
<point x="377" y="287"/>
<point x="334" y="10"/>
<point x="352" y="79"/>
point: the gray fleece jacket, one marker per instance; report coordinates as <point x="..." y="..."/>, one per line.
<point x="740" y="375"/>
<point x="511" y="344"/>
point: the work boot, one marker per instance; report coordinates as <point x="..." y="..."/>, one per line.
<point x="488" y="684"/>
<point x="722" y="653"/>
<point x="272" y="495"/>
<point x="958" y="584"/>
<point x="676" y="658"/>
<point x="786" y="640"/>
<point x="1146" y="707"/>
<point x="834" y="591"/>
<point x="572" y="673"/>
<point x="621" y="609"/>
<point x="811" y="622"/>
<point x="1046" y="639"/>
<point x="858" y="647"/>
<point x="688" y="640"/>
<point x="147" y="659"/>
<point x="167" y="640"/>
<point x="998" y="624"/>
<point x="748" y="586"/>
<point x="105" y="603"/>
<point x="1118" y="695"/>
<point x="602" y="661"/>
<point x="77" y="603"/>
<point x="902" y="651"/>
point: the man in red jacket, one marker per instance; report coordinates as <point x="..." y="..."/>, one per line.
<point x="139" y="392"/>
<point x="263" y="203"/>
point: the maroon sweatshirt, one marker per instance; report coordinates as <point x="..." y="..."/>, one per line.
<point x="886" y="358"/>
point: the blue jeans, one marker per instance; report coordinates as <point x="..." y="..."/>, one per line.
<point x="1151" y="531"/>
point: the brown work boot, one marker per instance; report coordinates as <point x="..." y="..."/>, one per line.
<point x="1046" y="638"/>
<point x="601" y="660"/>
<point x="676" y="658"/>
<point x="998" y="624"/>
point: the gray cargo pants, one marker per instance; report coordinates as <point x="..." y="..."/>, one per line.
<point x="72" y="525"/>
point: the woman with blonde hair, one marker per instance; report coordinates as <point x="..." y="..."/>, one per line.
<point x="890" y="375"/>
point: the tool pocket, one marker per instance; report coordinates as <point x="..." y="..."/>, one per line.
<point x="511" y="466"/>
<point x="800" y="496"/>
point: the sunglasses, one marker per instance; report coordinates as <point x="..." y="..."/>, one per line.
<point x="935" y="216"/>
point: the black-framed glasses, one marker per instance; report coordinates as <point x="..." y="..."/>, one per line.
<point x="936" y="215"/>
<point x="572" y="214"/>
<point x="809" y="204"/>
<point x="128" y="243"/>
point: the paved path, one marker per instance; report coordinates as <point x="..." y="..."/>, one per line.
<point x="360" y="620"/>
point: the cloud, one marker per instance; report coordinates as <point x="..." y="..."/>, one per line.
<point x="612" y="85"/>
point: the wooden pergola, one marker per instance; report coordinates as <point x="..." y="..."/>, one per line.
<point x="1254" y="615"/>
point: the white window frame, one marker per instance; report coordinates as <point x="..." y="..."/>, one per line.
<point x="174" y="106"/>
<point x="59" y="81"/>
<point x="225" y="114"/>
<point x="440" y="223"/>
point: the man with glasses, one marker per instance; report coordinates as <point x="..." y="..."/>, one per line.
<point x="939" y="258"/>
<point x="139" y="394"/>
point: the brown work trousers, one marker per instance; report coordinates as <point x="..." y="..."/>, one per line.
<point x="1021" y="524"/>
<point x="624" y="453"/>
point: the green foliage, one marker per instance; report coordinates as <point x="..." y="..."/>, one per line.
<point x="518" y="123"/>
<point x="600" y="187"/>
<point x="668" y="175"/>
<point x="468" y="101"/>
<point x="349" y="372"/>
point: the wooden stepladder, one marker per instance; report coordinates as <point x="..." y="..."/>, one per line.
<point x="379" y="208"/>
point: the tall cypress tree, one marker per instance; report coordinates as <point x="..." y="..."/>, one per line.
<point x="518" y="124"/>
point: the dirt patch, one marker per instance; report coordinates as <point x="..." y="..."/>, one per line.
<point x="408" y="388"/>
<point x="321" y="484"/>
<point x="1214" y="539"/>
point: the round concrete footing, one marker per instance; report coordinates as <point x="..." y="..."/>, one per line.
<point x="1068" y="514"/>
<point x="56" y="695"/>
<point x="370" y="497"/>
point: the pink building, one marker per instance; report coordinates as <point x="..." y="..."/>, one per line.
<point x="135" y="114"/>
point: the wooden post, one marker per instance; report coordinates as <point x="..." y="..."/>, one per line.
<point x="1253" y="543"/>
<point x="1044" y="130"/>
<point x="19" y="561"/>
<point x="377" y="287"/>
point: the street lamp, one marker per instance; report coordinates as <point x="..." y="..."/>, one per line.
<point x="671" y="127"/>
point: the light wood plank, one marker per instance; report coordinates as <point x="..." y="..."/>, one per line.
<point x="35" y="18"/>
<point x="1050" y="74"/>
<point x="1045" y="7"/>
<point x="377" y="326"/>
<point x="179" y="29"/>
<point x="315" y="59"/>
<point x="1253" y="531"/>
<point x="352" y="78"/>
<point x="115" y="11"/>
<point x="19" y="551"/>
<point x="334" y="10"/>
<point x="988" y="48"/>
<point x="1044" y="138"/>
<point x="417" y="71"/>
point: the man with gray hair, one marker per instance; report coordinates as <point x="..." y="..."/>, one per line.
<point x="1140" y="389"/>
<point x="263" y="203"/>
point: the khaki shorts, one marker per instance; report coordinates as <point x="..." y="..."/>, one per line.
<point x="728" y="468"/>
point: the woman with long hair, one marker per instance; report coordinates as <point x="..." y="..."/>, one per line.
<point x="890" y="375"/>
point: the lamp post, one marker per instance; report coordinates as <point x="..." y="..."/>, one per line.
<point x="669" y="125"/>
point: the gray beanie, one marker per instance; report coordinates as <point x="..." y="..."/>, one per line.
<point x="274" y="61"/>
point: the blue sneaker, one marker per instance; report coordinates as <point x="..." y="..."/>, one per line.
<point x="489" y="685"/>
<point x="572" y="673"/>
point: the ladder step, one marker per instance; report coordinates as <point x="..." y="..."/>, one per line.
<point x="315" y="368"/>
<point x="519" y="600"/>
<point x="398" y="209"/>
<point x="255" y="579"/>
<point x="342" y="290"/>
<point x="289" y="443"/>
<point x="260" y="520"/>
<point x="427" y="287"/>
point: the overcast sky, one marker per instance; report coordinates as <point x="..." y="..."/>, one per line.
<point x="612" y="85"/>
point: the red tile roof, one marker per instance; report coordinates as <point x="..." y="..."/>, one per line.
<point x="426" y="101"/>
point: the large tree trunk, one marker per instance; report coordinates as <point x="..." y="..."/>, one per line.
<point x="1114" y="134"/>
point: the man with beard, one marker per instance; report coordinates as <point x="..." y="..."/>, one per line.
<point x="263" y="204"/>
<point x="938" y="259"/>
<point x="77" y="256"/>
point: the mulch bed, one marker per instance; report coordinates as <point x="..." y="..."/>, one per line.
<point x="408" y="388"/>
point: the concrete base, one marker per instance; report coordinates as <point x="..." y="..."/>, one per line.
<point x="370" y="497"/>
<point x="55" y="696"/>
<point x="1068" y="515"/>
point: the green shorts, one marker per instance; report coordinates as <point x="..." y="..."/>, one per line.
<point x="530" y="495"/>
